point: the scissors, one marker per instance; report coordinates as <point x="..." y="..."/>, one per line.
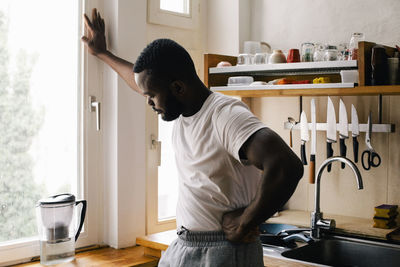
<point x="369" y="157"/>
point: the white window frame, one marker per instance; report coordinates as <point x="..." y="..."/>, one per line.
<point x="153" y="224"/>
<point x="89" y="188"/>
<point x="156" y="15"/>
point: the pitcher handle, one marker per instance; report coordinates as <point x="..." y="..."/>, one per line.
<point x="268" y="46"/>
<point x="83" y="213"/>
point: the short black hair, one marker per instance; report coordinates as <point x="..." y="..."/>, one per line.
<point x="166" y="59"/>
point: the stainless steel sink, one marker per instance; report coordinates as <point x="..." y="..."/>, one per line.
<point x="347" y="252"/>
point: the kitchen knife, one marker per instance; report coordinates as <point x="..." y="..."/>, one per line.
<point x="330" y="130"/>
<point x="343" y="129"/>
<point x="313" y="142"/>
<point x="355" y="131"/>
<point x="304" y="136"/>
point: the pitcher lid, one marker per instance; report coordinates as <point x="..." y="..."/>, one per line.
<point x="57" y="199"/>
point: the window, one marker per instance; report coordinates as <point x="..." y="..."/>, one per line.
<point x="178" y="6"/>
<point x="41" y="116"/>
<point x="167" y="174"/>
<point x="175" y="13"/>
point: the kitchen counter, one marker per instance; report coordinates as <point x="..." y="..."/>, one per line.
<point x="344" y="224"/>
<point x="106" y="256"/>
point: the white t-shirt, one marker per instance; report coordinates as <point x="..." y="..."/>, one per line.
<point x="212" y="179"/>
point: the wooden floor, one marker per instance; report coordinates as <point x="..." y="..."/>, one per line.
<point x="107" y="257"/>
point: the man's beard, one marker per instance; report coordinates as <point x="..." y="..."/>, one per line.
<point x="173" y="108"/>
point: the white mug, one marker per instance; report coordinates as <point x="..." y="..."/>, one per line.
<point x="259" y="58"/>
<point x="245" y="59"/>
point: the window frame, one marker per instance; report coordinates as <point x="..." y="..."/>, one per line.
<point x="153" y="224"/>
<point x="190" y="21"/>
<point x="89" y="149"/>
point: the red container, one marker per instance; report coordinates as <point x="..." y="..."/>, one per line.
<point x="293" y="56"/>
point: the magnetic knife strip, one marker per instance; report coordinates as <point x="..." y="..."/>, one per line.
<point x="376" y="128"/>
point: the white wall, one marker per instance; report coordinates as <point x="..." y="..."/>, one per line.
<point x="123" y="113"/>
<point x="223" y="27"/>
<point x="286" y="24"/>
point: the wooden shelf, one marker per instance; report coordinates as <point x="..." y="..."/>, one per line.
<point x="292" y="67"/>
<point x="217" y="78"/>
<point x="356" y="91"/>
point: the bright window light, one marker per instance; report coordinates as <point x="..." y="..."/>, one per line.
<point x="178" y="6"/>
<point x="167" y="174"/>
<point x="39" y="48"/>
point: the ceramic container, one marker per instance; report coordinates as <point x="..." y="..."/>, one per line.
<point x="277" y="57"/>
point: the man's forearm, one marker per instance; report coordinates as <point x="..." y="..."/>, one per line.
<point x="122" y="67"/>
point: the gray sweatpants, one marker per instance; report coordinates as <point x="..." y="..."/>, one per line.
<point x="210" y="249"/>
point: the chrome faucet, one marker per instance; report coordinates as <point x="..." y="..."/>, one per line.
<point x="317" y="221"/>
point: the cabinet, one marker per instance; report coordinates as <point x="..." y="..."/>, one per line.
<point x="216" y="79"/>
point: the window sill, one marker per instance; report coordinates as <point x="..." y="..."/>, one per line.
<point x="158" y="241"/>
<point x="133" y="256"/>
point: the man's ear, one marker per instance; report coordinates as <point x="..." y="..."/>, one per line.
<point x="177" y="88"/>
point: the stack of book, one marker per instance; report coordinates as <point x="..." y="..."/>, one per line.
<point x="385" y="216"/>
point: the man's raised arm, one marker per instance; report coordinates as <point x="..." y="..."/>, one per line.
<point x="97" y="46"/>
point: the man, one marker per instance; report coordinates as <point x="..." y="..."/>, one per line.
<point x="220" y="148"/>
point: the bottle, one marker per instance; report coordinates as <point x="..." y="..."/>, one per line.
<point x="353" y="46"/>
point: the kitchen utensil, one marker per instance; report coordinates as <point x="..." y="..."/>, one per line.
<point x="292" y="124"/>
<point x="369" y="158"/>
<point x="56" y="221"/>
<point x="307" y="52"/>
<point x="331" y="130"/>
<point x="355" y="131"/>
<point x="245" y="59"/>
<point x="293" y="56"/>
<point x="343" y="130"/>
<point x="240" y="80"/>
<point x="313" y="141"/>
<point x="304" y="136"/>
<point x="277" y="57"/>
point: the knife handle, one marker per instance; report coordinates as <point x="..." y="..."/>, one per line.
<point x="312" y="169"/>
<point x="303" y="154"/>
<point x="343" y="150"/>
<point x="355" y="148"/>
<point x="329" y="153"/>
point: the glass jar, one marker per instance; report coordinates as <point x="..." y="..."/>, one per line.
<point x="331" y="53"/>
<point x="353" y="46"/>
<point x="307" y="52"/>
<point x="319" y="52"/>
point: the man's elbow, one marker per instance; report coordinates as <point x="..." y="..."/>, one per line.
<point x="296" y="169"/>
